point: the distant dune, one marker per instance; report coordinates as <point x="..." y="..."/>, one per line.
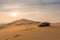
<point x="18" y="23"/>
<point x="21" y="22"/>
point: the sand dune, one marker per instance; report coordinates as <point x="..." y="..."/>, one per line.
<point x="30" y="32"/>
<point x="18" y="23"/>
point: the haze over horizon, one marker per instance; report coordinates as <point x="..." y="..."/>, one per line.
<point x="39" y="10"/>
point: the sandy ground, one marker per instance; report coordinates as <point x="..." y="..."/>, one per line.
<point x="30" y="32"/>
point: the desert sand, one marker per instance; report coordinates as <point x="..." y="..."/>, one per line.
<point x="30" y="32"/>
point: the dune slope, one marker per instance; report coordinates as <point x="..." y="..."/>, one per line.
<point x="30" y="32"/>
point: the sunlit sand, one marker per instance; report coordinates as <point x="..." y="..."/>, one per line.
<point x="30" y="31"/>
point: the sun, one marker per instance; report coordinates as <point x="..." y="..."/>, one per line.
<point x="14" y="14"/>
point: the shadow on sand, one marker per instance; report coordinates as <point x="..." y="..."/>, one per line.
<point x="55" y="27"/>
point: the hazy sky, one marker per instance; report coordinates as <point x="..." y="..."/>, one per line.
<point x="41" y="10"/>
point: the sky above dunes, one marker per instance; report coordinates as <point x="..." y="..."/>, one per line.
<point x="39" y="10"/>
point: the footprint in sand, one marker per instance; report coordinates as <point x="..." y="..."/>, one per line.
<point x="14" y="37"/>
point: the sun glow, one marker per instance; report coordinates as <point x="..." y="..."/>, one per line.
<point x="14" y="14"/>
